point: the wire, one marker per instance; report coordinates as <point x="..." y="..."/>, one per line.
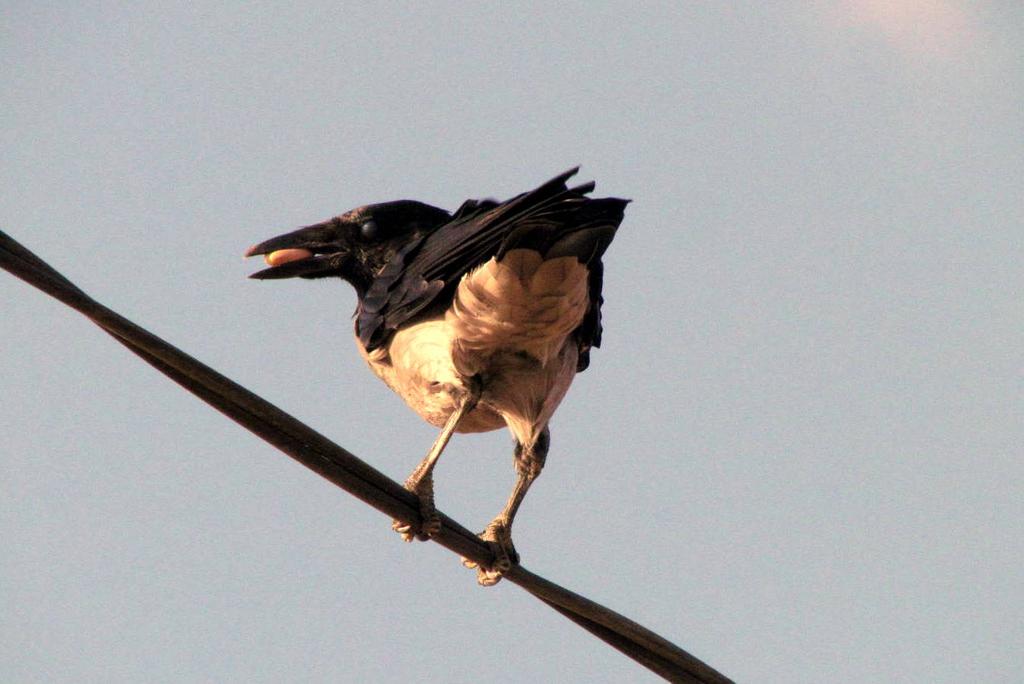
<point x="356" y="477"/>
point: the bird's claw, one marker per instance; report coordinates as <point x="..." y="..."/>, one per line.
<point x="499" y="538"/>
<point x="430" y="521"/>
<point x="409" y="531"/>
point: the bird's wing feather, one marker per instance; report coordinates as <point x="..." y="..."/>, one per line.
<point x="552" y="219"/>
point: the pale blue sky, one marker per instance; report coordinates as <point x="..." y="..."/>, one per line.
<point x="797" y="454"/>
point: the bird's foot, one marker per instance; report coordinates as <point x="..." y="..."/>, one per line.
<point x="430" y="523"/>
<point x="498" y="536"/>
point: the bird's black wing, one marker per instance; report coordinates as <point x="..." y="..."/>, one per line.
<point x="553" y="219"/>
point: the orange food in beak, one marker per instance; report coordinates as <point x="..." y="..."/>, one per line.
<point x="283" y="256"/>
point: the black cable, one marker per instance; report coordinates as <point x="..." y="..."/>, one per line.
<point x="334" y="463"/>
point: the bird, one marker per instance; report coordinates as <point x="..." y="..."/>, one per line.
<point x="478" y="319"/>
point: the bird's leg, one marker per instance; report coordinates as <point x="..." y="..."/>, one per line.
<point x="421" y="481"/>
<point x="529" y="461"/>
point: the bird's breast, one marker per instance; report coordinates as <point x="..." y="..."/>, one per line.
<point x="417" y="364"/>
<point x="510" y="325"/>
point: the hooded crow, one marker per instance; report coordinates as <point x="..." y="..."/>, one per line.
<point x="478" y="319"/>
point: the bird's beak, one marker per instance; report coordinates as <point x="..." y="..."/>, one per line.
<point x="311" y="252"/>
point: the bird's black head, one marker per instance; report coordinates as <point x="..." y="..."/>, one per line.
<point x="354" y="246"/>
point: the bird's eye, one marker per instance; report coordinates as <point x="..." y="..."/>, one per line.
<point x="369" y="230"/>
